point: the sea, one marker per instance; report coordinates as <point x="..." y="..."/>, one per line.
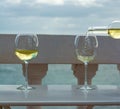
<point x="60" y="74"/>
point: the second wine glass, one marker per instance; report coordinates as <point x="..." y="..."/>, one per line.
<point x="85" y="50"/>
<point x="26" y="49"/>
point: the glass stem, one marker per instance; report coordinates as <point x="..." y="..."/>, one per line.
<point x="85" y="79"/>
<point x="26" y="74"/>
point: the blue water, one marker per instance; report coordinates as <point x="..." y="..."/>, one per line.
<point x="60" y="74"/>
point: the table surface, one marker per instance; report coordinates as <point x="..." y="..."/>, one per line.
<point x="59" y="95"/>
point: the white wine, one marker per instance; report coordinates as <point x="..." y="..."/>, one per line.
<point x="24" y="54"/>
<point x="85" y="58"/>
<point x="114" y="33"/>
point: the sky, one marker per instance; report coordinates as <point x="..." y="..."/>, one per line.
<point x="56" y="16"/>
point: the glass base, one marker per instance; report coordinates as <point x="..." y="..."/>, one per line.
<point x="87" y="87"/>
<point x="25" y="88"/>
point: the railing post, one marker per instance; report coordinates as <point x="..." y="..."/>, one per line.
<point x="36" y="73"/>
<point x="118" y="67"/>
<point x="79" y="73"/>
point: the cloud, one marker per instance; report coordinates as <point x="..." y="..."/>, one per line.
<point x="56" y="16"/>
<point x="13" y="1"/>
<point x="50" y="2"/>
<point x="47" y="10"/>
<point x="88" y="3"/>
<point x="57" y="8"/>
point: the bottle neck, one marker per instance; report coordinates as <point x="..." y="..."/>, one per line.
<point x="98" y="30"/>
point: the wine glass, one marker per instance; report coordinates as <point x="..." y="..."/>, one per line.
<point x="85" y="50"/>
<point x="26" y="49"/>
<point x="114" y="29"/>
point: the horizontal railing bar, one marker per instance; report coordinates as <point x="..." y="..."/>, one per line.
<point x="59" y="49"/>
